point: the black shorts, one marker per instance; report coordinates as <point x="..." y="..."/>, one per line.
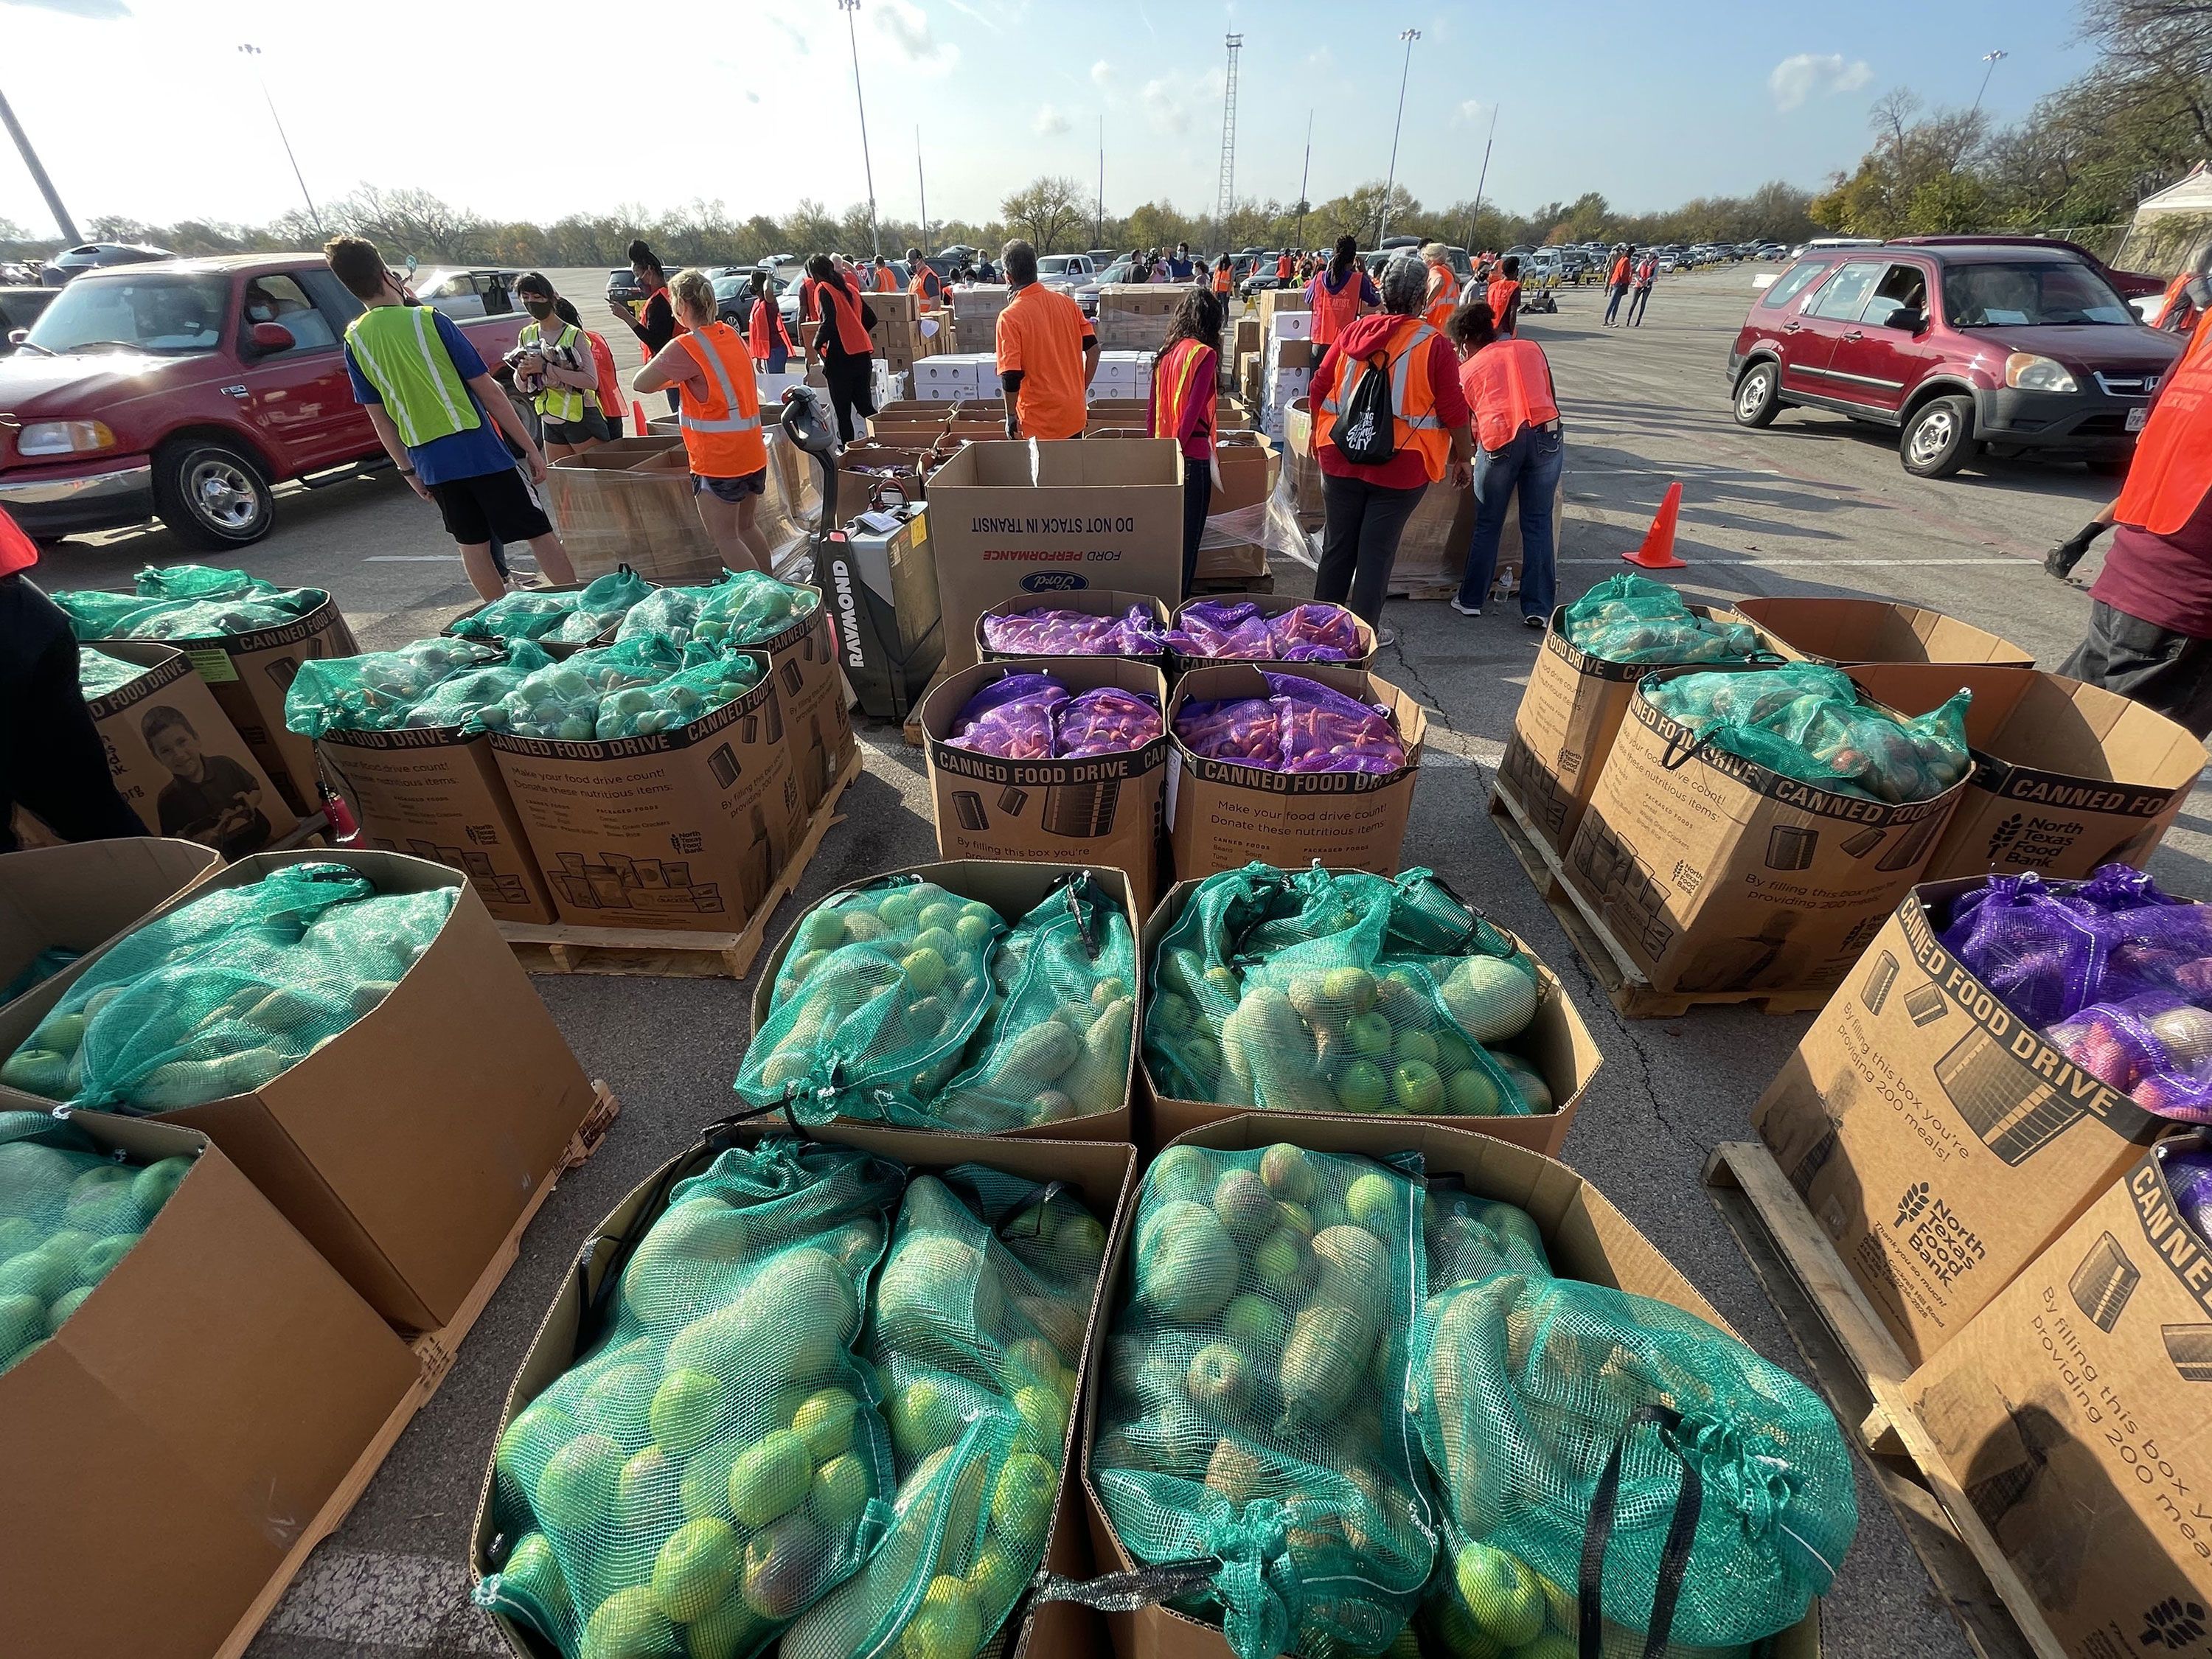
<point x="732" y="491"/>
<point x="592" y="429"/>
<point x="500" y="504"/>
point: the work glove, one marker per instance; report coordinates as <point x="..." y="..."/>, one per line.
<point x="2062" y="559"/>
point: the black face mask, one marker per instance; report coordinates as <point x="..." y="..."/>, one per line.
<point x="541" y="309"/>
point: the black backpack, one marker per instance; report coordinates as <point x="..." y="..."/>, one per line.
<point x="1367" y="431"/>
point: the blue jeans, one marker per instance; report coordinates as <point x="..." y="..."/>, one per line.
<point x="1613" y="304"/>
<point x="1531" y="464"/>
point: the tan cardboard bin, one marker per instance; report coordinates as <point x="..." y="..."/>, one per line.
<point x="1242" y="457"/>
<point x="405" y="1148"/>
<point x="1270" y="604"/>
<point x="1222" y="816"/>
<point x="205" y="1401"/>
<point x="818" y="727"/>
<point x="80" y="897"/>
<point x="1852" y="631"/>
<point x="1036" y="517"/>
<point x="685" y="830"/>
<point x="1087" y="601"/>
<point x="1938" y="1138"/>
<point x="1584" y="1236"/>
<point x="2066" y="777"/>
<point x="1714" y="874"/>
<point x="1557" y="1043"/>
<point x="1013" y="890"/>
<point x="1104" y="1175"/>
<point x="2071" y="1411"/>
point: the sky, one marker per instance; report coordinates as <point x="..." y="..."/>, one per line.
<point x="147" y="109"/>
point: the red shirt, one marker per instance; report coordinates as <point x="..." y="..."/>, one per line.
<point x="1363" y="335"/>
<point x="2166" y="581"/>
<point x="17" y="550"/>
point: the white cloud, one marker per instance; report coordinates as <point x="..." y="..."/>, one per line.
<point x="796" y="40"/>
<point x="1809" y="74"/>
<point x="99" y="8"/>
<point x="1049" y="122"/>
<point x="1102" y="72"/>
<point x="1319" y="58"/>
<point x="1167" y="107"/>
<point x="1174" y="102"/>
<point x="906" y="27"/>
<point x="1470" y="112"/>
<point x="966" y="10"/>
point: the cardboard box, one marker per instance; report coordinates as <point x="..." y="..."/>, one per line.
<point x="1105" y="810"/>
<point x="1249" y="334"/>
<point x="212" y="1392"/>
<point x="685" y="829"/>
<point x="2071" y="1412"/>
<point x="1249" y="381"/>
<point x="171" y="704"/>
<point x="872" y="475"/>
<point x="1244" y="461"/>
<point x="80" y="897"/>
<point x="1557" y="1043"/>
<point x="1270" y="604"/>
<point x="1852" y="631"/>
<point x="1032" y="517"/>
<point x="2066" y="777"/>
<point x="880" y="572"/>
<point x="818" y="727"/>
<point x="1086" y="601"/>
<point x="437" y="794"/>
<point x="1569" y="714"/>
<point x="1714" y="874"/>
<point x="1273" y="301"/>
<point x="405" y="1148"/>
<point x="1222" y="816"/>
<point x="1938" y="1138"/>
<point x="629" y="501"/>
<point x="1585" y="1236"/>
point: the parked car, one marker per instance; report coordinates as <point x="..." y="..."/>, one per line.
<point x="622" y="288"/>
<point x="96" y="255"/>
<point x="1958" y="346"/>
<point x="479" y="291"/>
<point x="186" y="390"/>
<point x="1065" y="271"/>
<point x="19" y="308"/>
<point x="734" y="300"/>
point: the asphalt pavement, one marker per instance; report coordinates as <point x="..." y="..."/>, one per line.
<point x="1809" y="507"/>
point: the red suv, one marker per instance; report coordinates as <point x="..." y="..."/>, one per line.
<point x="1999" y="346"/>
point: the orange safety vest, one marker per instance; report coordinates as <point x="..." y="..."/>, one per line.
<point x="721" y="430"/>
<point x="1332" y="313"/>
<point x="1502" y="290"/>
<point x="1513" y="389"/>
<point x="17" y="550"/>
<point x="925" y="288"/>
<point x="2172" y="467"/>
<point x="1446" y="301"/>
<point x="1221" y="279"/>
<point x="602" y="364"/>
<point x="1618" y="276"/>
<point x="852" y="331"/>
<point x="765" y="327"/>
<point x="1412" y="398"/>
<point x="2172" y="301"/>
<point x="1175" y="384"/>
<point x="885" y="283"/>
<point x="1282" y="269"/>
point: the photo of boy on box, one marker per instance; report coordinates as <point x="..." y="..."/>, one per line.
<point x="209" y="798"/>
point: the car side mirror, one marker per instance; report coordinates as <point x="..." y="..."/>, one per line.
<point x="273" y="337"/>
<point x="17" y="336"/>
<point x="1910" y="321"/>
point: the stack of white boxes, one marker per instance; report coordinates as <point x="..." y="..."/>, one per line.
<point x="1122" y="375"/>
<point x="1286" y="369"/>
<point x="956" y="377"/>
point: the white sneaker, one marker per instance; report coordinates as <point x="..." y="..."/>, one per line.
<point x="1385" y="634"/>
<point x="1465" y="610"/>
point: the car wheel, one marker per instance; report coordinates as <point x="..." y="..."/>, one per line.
<point x="1759" y="394"/>
<point x="1938" y="438"/>
<point x="210" y="496"/>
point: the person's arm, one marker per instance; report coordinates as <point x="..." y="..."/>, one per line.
<point x="671" y="364"/>
<point x="1453" y="411"/>
<point x="1370" y="297"/>
<point x="504" y="417"/>
<point x="1010" y="388"/>
<point x="1089" y="356"/>
<point x="1009" y="364"/>
<point x="583" y="374"/>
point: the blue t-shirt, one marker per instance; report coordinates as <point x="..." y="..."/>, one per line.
<point x="470" y="454"/>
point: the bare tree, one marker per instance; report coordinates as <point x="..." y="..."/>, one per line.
<point x="1045" y="211"/>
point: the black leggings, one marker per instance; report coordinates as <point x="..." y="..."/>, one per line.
<point x="51" y="758"/>
<point x="1361" y="523"/>
<point x="1197" y="497"/>
<point x="852" y="390"/>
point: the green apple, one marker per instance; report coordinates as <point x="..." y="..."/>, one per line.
<point x="1288" y="1174"/>
<point x="925" y="970"/>
<point x="1454" y="1053"/>
<point x="529" y="1443"/>
<point x="1416" y="1045"/>
<point x="1361" y="1086"/>
<point x="150" y="1189"/>
<point x="65" y="1305"/>
<point x="972" y="931"/>
<point x="580" y="1482"/>
<point x="822" y="930"/>
<point x="940" y="914"/>
<point x="787" y="1565"/>
<point x="100" y="1259"/>
<point x="1219" y="1379"/>
<point x="947" y="1626"/>
<point x="705" y="1489"/>
<point x="730" y="1631"/>
<point x="618" y="1401"/>
<point x="1021" y="1501"/>
<point x="1471" y="1094"/>
<point x="897" y="911"/>
<point x="534" y="1573"/>
<point x="1417" y="1087"/>
<point x="1350" y="988"/>
<point x="1372" y="1201"/>
<point x="681" y="1414"/>
<point x="842" y="1491"/>
<point x="940" y="940"/>
<point x="924" y="1416"/>
<point x="995" y="1580"/>
<point x="1501" y="1593"/>
<point x="1255" y="1324"/>
<point x="648" y="1503"/>
<point x="771" y="1479"/>
<point x="1369" y="1033"/>
<point x="696" y="1570"/>
<point x="1279" y="1263"/>
<point x="1044" y="1413"/>
<point x="824" y="1421"/>
<point x="629" y="1624"/>
<point x="1243" y="1204"/>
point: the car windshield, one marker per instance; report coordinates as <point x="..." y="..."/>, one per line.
<point x="157" y="314"/>
<point x="1053" y="265"/>
<point x="2042" y="294"/>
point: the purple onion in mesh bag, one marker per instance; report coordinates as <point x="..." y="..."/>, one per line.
<point x="1055" y="632"/>
<point x="2050" y="949"/>
<point x="2155" y="1048"/>
<point x="1010" y="718"/>
<point x="2188" y="1177"/>
<point x="1214" y="627"/>
<point x="1106" y="721"/>
<point x="1301" y="726"/>
<point x="1315" y="632"/>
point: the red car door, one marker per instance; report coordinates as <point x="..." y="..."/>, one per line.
<point x="1832" y="308"/>
<point x="300" y="399"/>
<point x="1876" y="361"/>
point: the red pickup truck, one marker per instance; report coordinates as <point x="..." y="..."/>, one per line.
<point x="185" y="390"/>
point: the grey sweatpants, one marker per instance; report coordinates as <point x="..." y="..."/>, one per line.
<point x="2158" y="668"/>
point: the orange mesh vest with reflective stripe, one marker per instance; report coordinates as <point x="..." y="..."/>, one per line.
<point x="768" y="332"/>
<point x="1175" y="384"/>
<point x="1333" y="312"/>
<point x="1513" y="389"/>
<point x="1412" y="398"/>
<point x="1446" y="300"/>
<point x="2172" y="467"/>
<point x="722" y="429"/>
<point x="841" y="307"/>
<point x="1500" y="295"/>
<point x="1221" y="279"/>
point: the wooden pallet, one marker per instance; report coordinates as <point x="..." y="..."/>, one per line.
<point x="1860" y="1369"/>
<point x="1614" y="971"/>
<point x="434" y="1352"/>
<point x="674" y="952"/>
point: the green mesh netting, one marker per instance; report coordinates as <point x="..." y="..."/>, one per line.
<point x="639" y="685"/>
<point x="187" y="601"/>
<point x="903" y="1002"/>
<point x="1526" y="1384"/>
<point x="376" y="691"/>
<point x="691" y="693"/>
<point x="1252" y="1406"/>
<point x="97" y="673"/>
<point x="718" y="1459"/>
<point x="1632" y="619"/>
<point x="223" y="993"/>
<point x="69" y="1212"/>
<point x="474" y="700"/>
<point x="1470" y="1238"/>
<point x="975" y="1333"/>
<point x="744" y="608"/>
<point x="1312" y="992"/>
<point x="1807" y="721"/>
<point x="565" y="618"/>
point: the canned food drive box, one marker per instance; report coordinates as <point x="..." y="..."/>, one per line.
<point x="1939" y="1139"/>
<point x="1848" y="632"/>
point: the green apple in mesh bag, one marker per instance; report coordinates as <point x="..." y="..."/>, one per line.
<point x="697" y="1569"/>
<point x="646" y="1502"/>
<point x="1187" y="1263"/>
<point x="771" y="1479"/>
<point x="578" y="1484"/>
<point x="629" y="1624"/>
<point x="534" y="1573"/>
<point x="841" y="1494"/>
<point x="784" y="1563"/>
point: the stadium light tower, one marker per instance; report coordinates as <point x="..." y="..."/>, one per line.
<point x="868" y="161"/>
<point x="1992" y="58"/>
<point x="1228" y="191"/>
<point x="1408" y="36"/>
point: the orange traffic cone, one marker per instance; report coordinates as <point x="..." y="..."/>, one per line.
<point x="1657" y="550"/>
<point x="637" y="414"/>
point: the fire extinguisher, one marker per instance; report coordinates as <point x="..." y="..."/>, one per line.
<point x="344" y="830"/>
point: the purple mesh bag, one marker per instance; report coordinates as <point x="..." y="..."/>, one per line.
<point x="1106" y="721"/>
<point x="2156" y="1049"/>
<point x="1213" y="628"/>
<point x="1301" y="726"/>
<point x="1240" y="729"/>
<point x="1053" y="632"/>
<point x="1315" y="632"/>
<point x="2188" y="1177"/>
<point x="1010" y="718"/>
<point x="2049" y="950"/>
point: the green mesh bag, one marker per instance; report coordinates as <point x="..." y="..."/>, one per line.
<point x="1806" y="722"/>
<point x="716" y="1460"/>
<point x="1567" y="1423"/>
<point x="97" y="673"/>
<point x="69" y="1212"/>
<point x="225" y="992"/>
<point x="1055" y="1044"/>
<point x="975" y="1333"/>
<point x="375" y="691"/>
<point x="744" y="608"/>
<point x="561" y="701"/>
<point x="1470" y="1238"/>
<point x="577" y="617"/>
<point x="474" y="700"/>
<point x="187" y="601"/>
<point x="1307" y="991"/>
<point x="709" y="680"/>
<point x="1628" y="618"/>
<point x="1253" y="1411"/>
<point x="874" y="1004"/>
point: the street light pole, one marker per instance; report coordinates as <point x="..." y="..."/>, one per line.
<point x="1305" y="173"/>
<point x="1408" y="36"/>
<point x="1992" y="58"/>
<point x="922" y="184"/>
<point x="254" y="53"/>
<point x="63" y="222"/>
<point x="867" y="162"/>
<point x="1098" y="227"/>
<point x="1482" y="178"/>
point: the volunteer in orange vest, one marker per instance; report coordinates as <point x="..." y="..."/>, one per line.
<point x="1224" y="279"/>
<point x="1365" y="502"/>
<point x="842" y="343"/>
<point x="718" y="402"/>
<point x="1443" y="285"/>
<point x="1183" y="375"/>
<point x="1616" y="279"/>
<point x="925" y="286"/>
<point x="2150" y="616"/>
<point x="1284" y="266"/>
<point x="886" y="278"/>
<point x="2187" y="298"/>
<point x="766" y="338"/>
<point x="1048" y="353"/>
<point x="1519" y="449"/>
<point x="1339" y="291"/>
<point x="51" y="759"/>
<point x="1502" y="295"/>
